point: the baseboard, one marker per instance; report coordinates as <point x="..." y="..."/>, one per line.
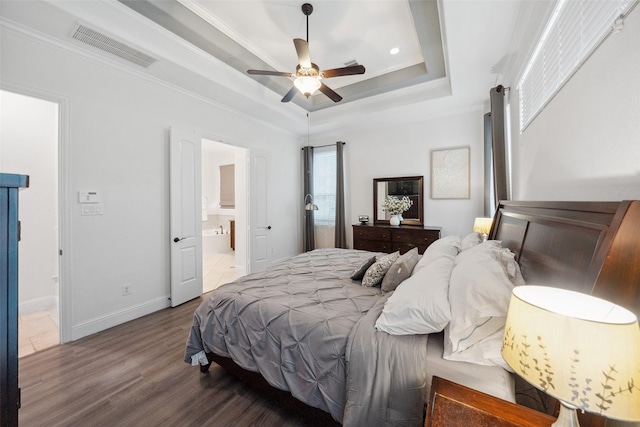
<point x="107" y="321"/>
<point x="240" y="270"/>
<point x="38" y="305"/>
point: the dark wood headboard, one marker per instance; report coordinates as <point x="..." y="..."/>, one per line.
<point x="590" y="247"/>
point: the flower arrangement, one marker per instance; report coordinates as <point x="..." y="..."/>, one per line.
<point x="396" y="205"/>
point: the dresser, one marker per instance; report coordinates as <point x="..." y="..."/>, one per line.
<point x="389" y="238"/>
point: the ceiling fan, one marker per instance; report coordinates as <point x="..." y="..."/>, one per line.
<point x="308" y="75"/>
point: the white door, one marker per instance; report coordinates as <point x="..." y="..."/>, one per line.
<point x="186" y="226"/>
<point x="260" y="246"/>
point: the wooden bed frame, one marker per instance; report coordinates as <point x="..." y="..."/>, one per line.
<point x="591" y="247"/>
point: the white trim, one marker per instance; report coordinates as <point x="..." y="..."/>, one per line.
<point x="64" y="191"/>
<point x="116" y="318"/>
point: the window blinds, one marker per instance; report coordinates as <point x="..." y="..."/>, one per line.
<point x="324" y="184"/>
<point x="227" y="187"/>
<point x="576" y="28"/>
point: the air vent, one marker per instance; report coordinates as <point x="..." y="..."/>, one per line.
<point x="114" y="47"/>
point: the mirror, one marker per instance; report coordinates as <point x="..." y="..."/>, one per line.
<point x="410" y="186"/>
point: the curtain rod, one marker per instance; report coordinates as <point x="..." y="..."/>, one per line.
<point x="320" y="146"/>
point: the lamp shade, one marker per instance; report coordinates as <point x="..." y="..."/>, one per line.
<point x="482" y="225"/>
<point x="307" y="84"/>
<point x="580" y="349"/>
<point x="308" y="203"/>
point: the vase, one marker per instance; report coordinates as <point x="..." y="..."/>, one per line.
<point x="394" y="220"/>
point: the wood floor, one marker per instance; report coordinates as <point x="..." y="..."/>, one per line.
<point x="134" y="375"/>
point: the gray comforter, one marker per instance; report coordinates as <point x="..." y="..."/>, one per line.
<point x="309" y="329"/>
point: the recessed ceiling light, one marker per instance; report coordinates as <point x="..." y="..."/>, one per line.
<point x="394" y="51"/>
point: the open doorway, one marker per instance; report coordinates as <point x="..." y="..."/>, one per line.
<point x="29" y="146"/>
<point x="223" y="213"/>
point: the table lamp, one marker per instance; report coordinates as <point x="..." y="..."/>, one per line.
<point x="482" y="226"/>
<point x="582" y="350"/>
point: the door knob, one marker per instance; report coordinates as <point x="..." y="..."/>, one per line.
<point x="177" y="239"/>
<point x="268" y="227"/>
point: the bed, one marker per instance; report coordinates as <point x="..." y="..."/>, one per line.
<point x="327" y="353"/>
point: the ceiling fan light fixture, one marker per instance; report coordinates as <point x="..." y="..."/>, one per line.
<point x="308" y="75"/>
<point x="307" y="85"/>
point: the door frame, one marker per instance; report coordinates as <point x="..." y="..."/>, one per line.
<point x="246" y="267"/>
<point x="64" y="203"/>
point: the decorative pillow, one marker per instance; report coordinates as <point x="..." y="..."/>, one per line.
<point x="400" y="270"/>
<point x="470" y="240"/>
<point x="359" y="273"/>
<point x="420" y="304"/>
<point x="376" y="272"/>
<point x="449" y="245"/>
<point x="479" y="293"/>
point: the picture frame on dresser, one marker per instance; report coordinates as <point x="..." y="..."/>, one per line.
<point x="409" y="186"/>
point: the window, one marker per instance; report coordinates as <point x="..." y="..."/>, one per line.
<point x="324" y="185"/>
<point x="576" y="28"/>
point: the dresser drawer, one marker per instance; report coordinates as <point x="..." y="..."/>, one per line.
<point x="372" y="233"/>
<point x="373" y="246"/>
<point x="416" y="237"/>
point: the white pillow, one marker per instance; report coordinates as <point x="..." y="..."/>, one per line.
<point x="479" y="293"/>
<point x="470" y="240"/>
<point x="503" y="255"/>
<point x="419" y="305"/>
<point x="484" y="352"/>
<point x="449" y="245"/>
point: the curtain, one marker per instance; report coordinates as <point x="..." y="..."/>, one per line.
<point x="341" y="233"/>
<point x="489" y="195"/>
<point x="496" y="95"/>
<point x="308" y="233"/>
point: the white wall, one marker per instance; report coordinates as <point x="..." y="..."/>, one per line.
<point x="585" y="145"/>
<point x="29" y="146"/>
<point x="405" y="150"/>
<point x="118" y="127"/>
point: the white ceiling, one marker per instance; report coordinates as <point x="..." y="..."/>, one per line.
<point x="259" y="35"/>
<point x="267" y="29"/>
<point x="189" y="37"/>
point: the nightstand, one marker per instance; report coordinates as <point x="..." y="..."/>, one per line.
<point x="452" y="405"/>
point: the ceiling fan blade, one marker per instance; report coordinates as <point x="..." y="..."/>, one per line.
<point x="302" y="48"/>
<point x="330" y="93"/>
<point x="269" y="73"/>
<point x="289" y="96"/>
<point x="344" y="71"/>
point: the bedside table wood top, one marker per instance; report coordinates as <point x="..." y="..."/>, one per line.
<point x="452" y="405"/>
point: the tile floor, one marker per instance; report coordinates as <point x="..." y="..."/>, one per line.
<point x="217" y="270"/>
<point x="38" y="331"/>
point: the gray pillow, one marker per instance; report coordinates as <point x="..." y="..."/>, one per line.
<point x="376" y="272"/>
<point x="400" y="270"/>
<point x="359" y="273"/>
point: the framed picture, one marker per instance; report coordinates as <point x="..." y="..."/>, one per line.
<point x="450" y="173"/>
